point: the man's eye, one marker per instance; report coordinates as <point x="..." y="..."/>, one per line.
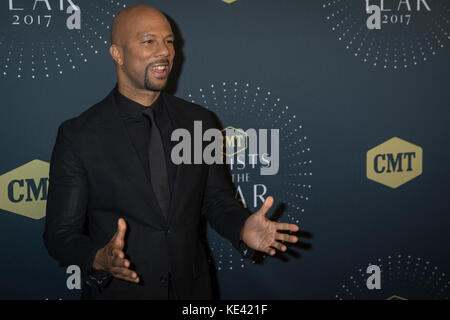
<point x="148" y="41"/>
<point x="170" y="41"/>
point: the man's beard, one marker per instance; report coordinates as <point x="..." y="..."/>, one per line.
<point x="149" y="85"/>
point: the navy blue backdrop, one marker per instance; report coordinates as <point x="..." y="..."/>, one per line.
<point x="337" y="85"/>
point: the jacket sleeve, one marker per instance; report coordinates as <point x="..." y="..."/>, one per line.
<point x="65" y="237"/>
<point x="225" y="213"/>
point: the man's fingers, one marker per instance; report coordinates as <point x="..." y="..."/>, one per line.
<point x="278" y="246"/>
<point x="269" y="251"/>
<point x="287" y="226"/>
<point x="122" y="263"/>
<point x="118" y="259"/>
<point x="266" y="206"/>
<point x="119" y="236"/>
<point x="118" y="253"/>
<point x="125" y="274"/>
<point x="118" y="264"/>
<point x="126" y="278"/>
<point x="286" y="237"/>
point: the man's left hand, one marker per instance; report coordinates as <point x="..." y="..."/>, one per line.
<point x="260" y="233"/>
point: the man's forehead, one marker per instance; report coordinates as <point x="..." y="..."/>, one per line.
<point x="152" y="27"/>
<point x="164" y="35"/>
<point x="135" y="22"/>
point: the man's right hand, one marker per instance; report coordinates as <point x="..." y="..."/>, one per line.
<point x="111" y="257"/>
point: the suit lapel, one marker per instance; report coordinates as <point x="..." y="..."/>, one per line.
<point x="179" y="171"/>
<point x="185" y="173"/>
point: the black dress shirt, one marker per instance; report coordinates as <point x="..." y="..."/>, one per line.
<point x="138" y="128"/>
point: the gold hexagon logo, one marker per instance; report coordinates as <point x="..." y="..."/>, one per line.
<point x="394" y="162"/>
<point x="229" y="1"/>
<point x="234" y="140"/>
<point x="394" y="297"/>
<point x="25" y="189"/>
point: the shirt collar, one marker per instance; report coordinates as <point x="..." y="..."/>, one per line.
<point x="132" y="110"/>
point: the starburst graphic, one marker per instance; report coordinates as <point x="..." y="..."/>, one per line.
<point x="244" y="106"/>
<point x="406" y="39"/>
<point x="36" y="44"/>
<point x="403" y="276"/>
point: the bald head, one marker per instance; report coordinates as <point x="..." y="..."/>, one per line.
<point x="127" y="20"/>
<point x="142" y="46"/>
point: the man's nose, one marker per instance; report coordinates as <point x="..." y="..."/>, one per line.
<point x="162" y="50"/>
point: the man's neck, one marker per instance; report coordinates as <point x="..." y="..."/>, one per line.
<point x="143" y="97"/>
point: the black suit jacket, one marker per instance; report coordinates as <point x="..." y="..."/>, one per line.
<point x="96" y="177"/>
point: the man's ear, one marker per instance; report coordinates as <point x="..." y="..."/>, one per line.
<point x="116" y="54"/>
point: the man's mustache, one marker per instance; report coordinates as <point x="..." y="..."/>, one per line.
<point x="158" y="62"/>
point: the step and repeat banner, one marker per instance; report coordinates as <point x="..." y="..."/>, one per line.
<point x="352" y="96"/>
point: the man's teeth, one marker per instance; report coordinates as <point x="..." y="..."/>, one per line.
<point x="159" y="68"/>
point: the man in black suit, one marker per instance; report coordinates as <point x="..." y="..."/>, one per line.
<point x="118" y="207"/>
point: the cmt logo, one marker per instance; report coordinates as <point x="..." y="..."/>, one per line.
<point x="25" y="189"/>
<point x="235" y="140"/>
<point x="394" y="162"/>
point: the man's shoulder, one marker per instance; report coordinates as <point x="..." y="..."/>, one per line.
<point x="190" y="110"/>
<point x="87" y="119"/>
<point x="186" y="105"/>
<point x="90" y="118"/>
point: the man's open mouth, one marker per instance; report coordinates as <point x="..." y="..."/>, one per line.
<point x="160" y="70"/>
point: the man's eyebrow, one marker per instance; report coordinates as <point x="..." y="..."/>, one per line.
<point x="152" y="35"/>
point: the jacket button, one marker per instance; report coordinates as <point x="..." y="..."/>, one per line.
<point x="167" y="232"/>
<point x="163" y="279"/>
